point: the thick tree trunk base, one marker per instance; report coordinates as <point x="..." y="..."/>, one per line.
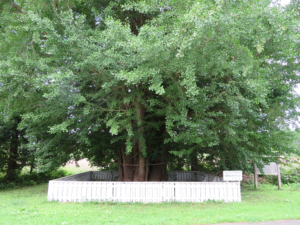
<point x="135" y="167"/>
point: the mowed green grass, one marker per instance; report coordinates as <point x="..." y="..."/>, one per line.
<point x="29" y="206"/>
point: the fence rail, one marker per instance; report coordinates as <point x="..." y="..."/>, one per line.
<point x="86" y="176"/>
<point x="193" y="176"/>
<point x="104" y="175"/>
<point x="74" y="188"/>
<point x="172" y="176"/>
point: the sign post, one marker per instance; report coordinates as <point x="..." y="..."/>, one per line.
<point x="279" y="177"/>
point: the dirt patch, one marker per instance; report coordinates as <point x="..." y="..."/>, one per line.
<point x="83" y="163"/>
<point x="250" y="177"/>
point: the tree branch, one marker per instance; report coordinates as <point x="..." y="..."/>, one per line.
<point x="56" y="3"/>
<point x="14" y="5"/>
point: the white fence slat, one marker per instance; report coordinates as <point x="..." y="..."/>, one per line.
<point x="50" y="191"/>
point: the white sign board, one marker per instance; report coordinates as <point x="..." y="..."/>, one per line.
<point x="235" y="175"/>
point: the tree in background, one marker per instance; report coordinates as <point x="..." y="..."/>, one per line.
<point x="13" y="152"/>
<point x="149" y="83"/>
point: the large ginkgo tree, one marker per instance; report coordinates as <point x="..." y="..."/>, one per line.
<point x="144" y="84"/>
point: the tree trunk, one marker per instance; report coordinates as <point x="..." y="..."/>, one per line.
<point x="120" y="166"/>
<point x="12" y="162"/>
<point x="135" y="166"/>
<point x="138" y="168"/>
<point x="194" y="161"/>
<point x="132" y="167"/>
<point x="158" y="169"/>
<point x="140" y="173"/>
<point x="13" y="153"/>
<point x="31" y="165"/>
<point x="128" y="168"/>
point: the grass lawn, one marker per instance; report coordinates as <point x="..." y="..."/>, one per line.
<point x="29" y="206"/>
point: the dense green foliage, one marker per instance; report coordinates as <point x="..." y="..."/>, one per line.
<point x="289" y="175"/>
<point x="34" y="178"/>
<point x="176" y="80"/>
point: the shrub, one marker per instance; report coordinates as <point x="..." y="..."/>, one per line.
<point x="34" y="178"/>
<point x="289" y="174"/>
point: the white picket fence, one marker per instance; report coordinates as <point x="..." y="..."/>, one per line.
<point x="68" y="189"/>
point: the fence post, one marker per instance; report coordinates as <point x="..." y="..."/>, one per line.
<point x="255" y="177"/>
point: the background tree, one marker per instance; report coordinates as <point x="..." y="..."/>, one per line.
<point x="13" y="152"/>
